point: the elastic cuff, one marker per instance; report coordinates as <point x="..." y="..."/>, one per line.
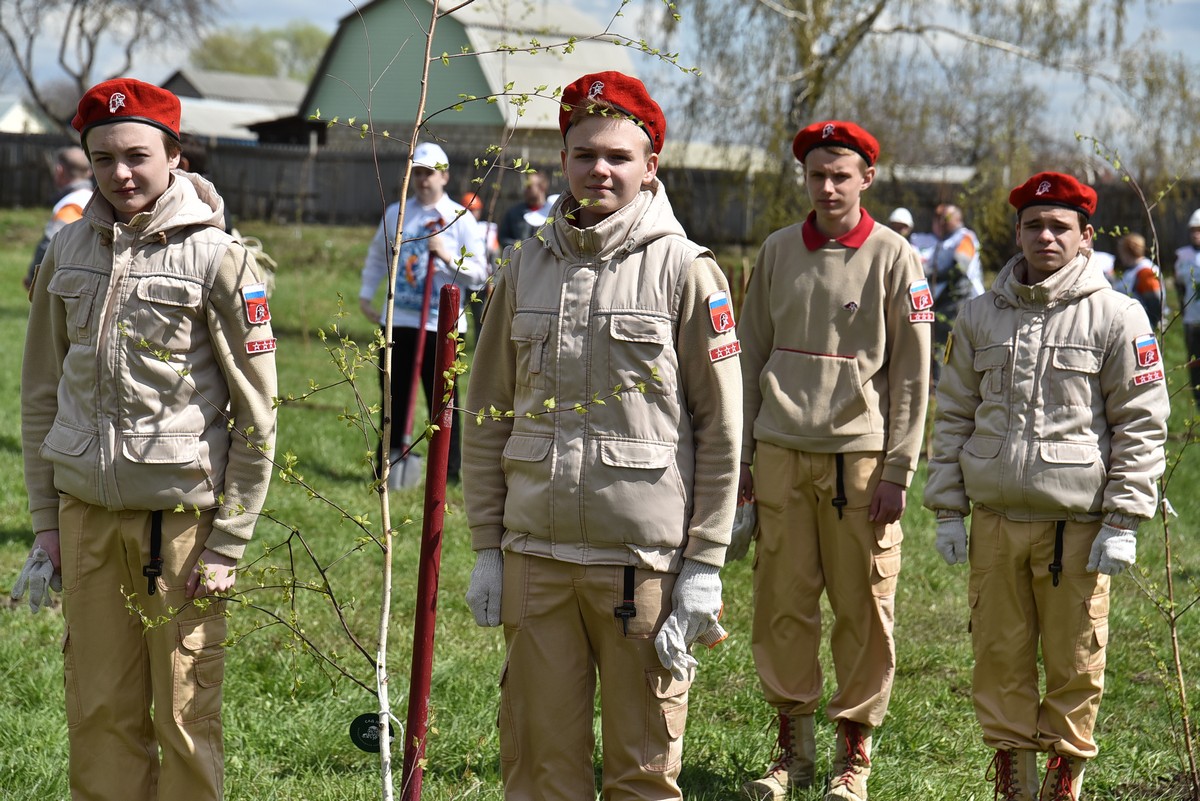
<point x="486" y="537"/>
<point x="1119" y="520"/>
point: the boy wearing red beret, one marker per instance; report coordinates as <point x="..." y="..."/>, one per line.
<point x="599" y="531"/>
<point x="1049" y="431"/>
<point x="146" y="388"/>
<point x="835" y="331"/>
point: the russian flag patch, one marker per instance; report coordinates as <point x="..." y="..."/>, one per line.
<point x="1146" y="347"/>
<point x="720" y="311"/>
<point x="919" y="294"/>
<point x="254" y="296"/>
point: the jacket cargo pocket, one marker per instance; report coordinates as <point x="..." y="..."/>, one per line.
<point x="635" y="494"/>
<point x="1069" y="475"/>
<point x="199" y="669"/>
<point x="1091" y="651"/>
<point x="666" y="719"/>
<point x="978" y="463"/>
<point x="158" y="448"/>
<point x="1074" y="379"/>
<point x="640" y="351"/>
<point x="77" y="290"/>
<point x="167" y="310"/>
<point x="527" y="475"/>
<point x="992" y="362"/>
<point x="529" y="334"/>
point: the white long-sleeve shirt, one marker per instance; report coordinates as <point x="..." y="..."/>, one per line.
<point x="452" y="223"/>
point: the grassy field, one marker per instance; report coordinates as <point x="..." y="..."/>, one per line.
<point x="287" y="713"/>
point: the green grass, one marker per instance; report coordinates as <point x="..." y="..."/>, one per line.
<point x="287" y="718"/>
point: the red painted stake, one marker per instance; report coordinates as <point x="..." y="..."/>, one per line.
<point x="431" y="559"/>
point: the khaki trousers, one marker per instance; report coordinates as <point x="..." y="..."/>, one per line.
<point x="116" y="670"/>
<point x="560" y="631"/>
<point x="804" y="549"/>
<point x="1015" y="607"/>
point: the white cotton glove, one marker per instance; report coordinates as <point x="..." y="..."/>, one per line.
<point x="1113" y="550"/>
<point x="745" y="521"/>
<point x="487" y="580"/>
<point x="696" y="604"/>
<point x="39" y="578"/>
<point x="951" y="540"/>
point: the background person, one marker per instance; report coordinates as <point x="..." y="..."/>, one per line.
<point x="73" y="189"/>
<point x="476" y="296"/>
<point x="599" y="535"/>
<point x="523" y="219"/>
<point x="834" y="441"/>
<point x="1049" y="432"/>
<point x="1187" y="283"/>
<point x="434" y="227"/>
<point x="955" y="275"/>
<point x="148" y="334"/>
<point x="1139" y="277"/>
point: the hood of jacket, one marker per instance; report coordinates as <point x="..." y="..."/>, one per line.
<point x="189" y="200"/>
<point x="648" y="217"/>
<point x="1080" y="277"/>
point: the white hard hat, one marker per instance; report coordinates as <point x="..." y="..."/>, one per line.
<point x="902" y="216"/>
<point x="1194" y="220"/>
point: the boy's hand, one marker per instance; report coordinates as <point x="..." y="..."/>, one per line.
<point x="38" y="577"/>
<point x="745" y="485"/>
<point x="697" y="605"/>
<point x="951" y="540"/>
<point x="888" y="503"/>
<point x="213" y="573"/>
<point x="487" y="583"/>
<point x="1113" y="550"/>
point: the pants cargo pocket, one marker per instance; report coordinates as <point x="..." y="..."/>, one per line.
<point x="199" y="669"/>
<point x="69" y="681"/>
<point x="666" y="719"/>
<point x="504" y="721"/>
<point x="886" y="559"/>
<point x="1091" y="652"/>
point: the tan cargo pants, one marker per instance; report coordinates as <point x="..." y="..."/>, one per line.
<point x="116" y="670"/>
<point x="1015" y="607"/>
<point x="803" y="549"/>
<point x="560" y="630"/>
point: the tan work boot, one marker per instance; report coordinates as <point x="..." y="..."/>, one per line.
<point x="1064" y="779"/>
<point x="1014" y="774"/>
<point x="851" y="763"/>
<point x="794" y="765"/>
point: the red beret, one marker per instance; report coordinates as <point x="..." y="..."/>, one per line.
<point x="1054" y="189"/>
<point x="838" y="134"/>
<point x="127" y="100"/>
<point x="621" y="91"/>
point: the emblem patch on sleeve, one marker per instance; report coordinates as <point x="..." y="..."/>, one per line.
<point x="919" y="294"/>
<point x="724" y="351"/>
<point x="720" y="310"/>
<point x="254" y="296"/>
<point x="260" y="346"/>
<point x="1146" y="348"/>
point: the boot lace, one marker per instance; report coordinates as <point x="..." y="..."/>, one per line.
<point x="1001" y="773"/>
<point x="856" y="753"/>
<point x="1060" y="768"/>
<point x="785" y="743"/>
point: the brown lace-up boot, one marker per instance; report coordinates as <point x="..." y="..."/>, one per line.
<point x="1064" y="779"/>
<point x="794" y="765"/>
<point x="1014" y="775"/>
<point x="851" y="763"/>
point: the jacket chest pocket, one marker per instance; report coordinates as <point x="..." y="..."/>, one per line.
<point x="992" y="365"/>
<point x="1073" y="377"/>
<point x="639" y="353"/>
<point x="166" y="312"/>
<point x="77" y="290"/>
<point x="530" y="333"/>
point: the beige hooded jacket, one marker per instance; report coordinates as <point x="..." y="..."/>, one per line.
<point x="139" y="356"/>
